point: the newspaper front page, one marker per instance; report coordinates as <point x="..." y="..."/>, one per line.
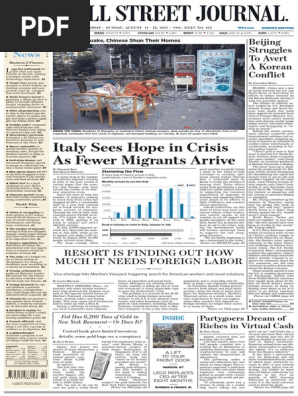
<point x="149" y="204"/>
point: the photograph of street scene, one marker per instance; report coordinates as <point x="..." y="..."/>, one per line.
<point x="150" y="87"/>
<point x="173" y="335"/>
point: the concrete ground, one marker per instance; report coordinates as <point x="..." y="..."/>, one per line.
<point x="211" y="113"/>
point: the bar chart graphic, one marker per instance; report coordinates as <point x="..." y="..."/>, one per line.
<point x="148" y="204"/>
<point x="165" y="203"/>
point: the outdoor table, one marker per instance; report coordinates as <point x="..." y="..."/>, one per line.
<point x="187" y="80"/>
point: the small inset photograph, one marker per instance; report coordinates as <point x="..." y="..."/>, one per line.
<point x="173" y="335"/>
<point x="150" y="87"/>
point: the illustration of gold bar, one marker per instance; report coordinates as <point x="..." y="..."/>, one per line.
<point x="100" y="364"/>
